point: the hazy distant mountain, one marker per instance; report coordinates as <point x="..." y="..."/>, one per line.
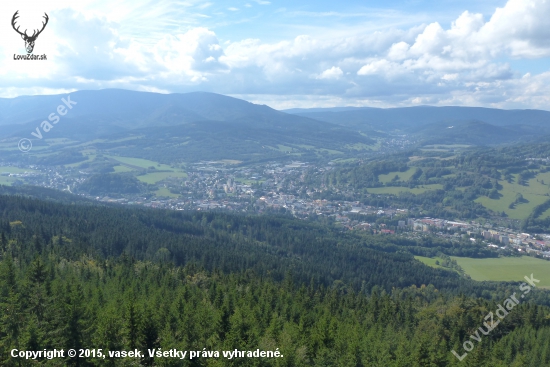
<point x="408" y="118"/>
<point x="320" y="109"/>
<point x="471" y="132"/>
<point x="132" y="109"/>
<point x="113" y="111"/>
<point x="192" y="125"/>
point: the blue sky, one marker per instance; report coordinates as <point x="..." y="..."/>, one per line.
<point x="492" y="53"/>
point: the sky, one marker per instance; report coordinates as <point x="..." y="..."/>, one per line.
<point x="288" y="54"/>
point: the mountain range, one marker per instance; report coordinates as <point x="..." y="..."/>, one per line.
<point x="167" y="127"/>
<point x="465" y="125"/>
<point x="207" y="126"/>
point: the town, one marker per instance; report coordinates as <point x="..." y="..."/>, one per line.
<point x="280" y="188"/>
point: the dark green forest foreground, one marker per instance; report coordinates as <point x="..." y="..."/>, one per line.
<point x="121" y="279"/>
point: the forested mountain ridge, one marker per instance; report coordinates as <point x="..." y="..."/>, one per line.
<point x="510" y="182"/>
<point x="131" y="109"/>
<point x="404" y="118"/>
<point x="265" y="244"/>
<point x="170" y="128"/>
<point x="441" y="125"/>
<point x="191" y="127"/>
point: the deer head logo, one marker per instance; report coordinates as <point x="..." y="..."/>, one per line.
<point x="29" y="40"/>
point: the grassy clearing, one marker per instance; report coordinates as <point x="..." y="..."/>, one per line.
<point x="397" y="190"/>
<point x="230" y="161"/>
<point x="284" y="148"/>
<point x="430" y="261"/>
<point x="534" y="192"/>
<point x="403" y="176"/>
<point x="344" y="160"/>
<point x="305" y="146"/>
<point x="6" y="180"/>
<point x="61" y="141"/>
<point x="329" y="151"/>
<point x="138" y="162"/>
<point x="447" y="146"/>
<point x="127" y="139"/>
<point x="154" y="177"/>
<point x="15" y="169"/>
<point x="506" y="268"/>
<point x="359" y="146"/>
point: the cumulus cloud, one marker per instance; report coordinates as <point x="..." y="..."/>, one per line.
<point x="464" y="63"/>
<point x="332" y="73"/>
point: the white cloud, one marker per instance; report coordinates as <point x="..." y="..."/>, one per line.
<point x="450" y="77"/>
<point x="464" y="63"/>
<point x="332" y="73"/>
<point x="398" y="51"/>
<point x="376" y="67"/>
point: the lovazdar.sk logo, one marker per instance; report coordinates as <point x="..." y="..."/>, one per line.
<point x="29" y="40"/>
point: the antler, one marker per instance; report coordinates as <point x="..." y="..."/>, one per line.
<point x="34" y="34"/>
<point x="15" y="16"/>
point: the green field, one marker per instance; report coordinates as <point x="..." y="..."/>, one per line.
<point x="403" y="176"/>
<point x="284" y="148"/>
<point x="397" y="190"/>
<point x="344" y="160"/>
<point x="534" y="192"/>
<point x="359" y="146"/>
<point x="430" y="261"/>
<point x="15" y="169"/>
<point x="6" y="180"/>
<point x="138" y="162"/>
<point x="329" y="151"/>
<point x="154" y="177"/>
<point x="447" y="146"/>
<point x="506" y="268"/>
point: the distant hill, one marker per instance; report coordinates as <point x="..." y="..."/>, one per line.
<point x="132" y="109"/>
<point x="174" y="127"/>
<point x="470" y="125"/>
<point x="472" y="132"/>
<point x="407" y="118"/>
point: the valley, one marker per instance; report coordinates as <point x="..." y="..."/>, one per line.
<point x="208" y="194"/>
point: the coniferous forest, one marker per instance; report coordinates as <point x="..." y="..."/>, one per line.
<point x="77" y="276"/>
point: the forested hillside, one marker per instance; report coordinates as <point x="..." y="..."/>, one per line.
<point x="452" y="182"/>
<point x="77" y="277"/>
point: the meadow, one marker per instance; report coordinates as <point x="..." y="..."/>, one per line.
<point x="396" y="190"/>
<point x="506" y="268"/>
<point x="500" y="269"/>
<point x="534" y="193"/>
<point x="403" y="176"/>
<point x="430" y="261"/>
